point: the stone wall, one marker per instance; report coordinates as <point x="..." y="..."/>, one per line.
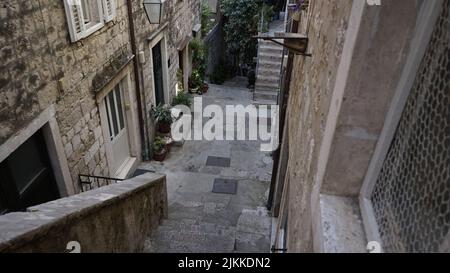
<point x="113" y="219"/>
<point x="40" y="67"/>
<point x="311" y="90"/>
<point x="180" y="16"/>
<point x="215" y="43"/>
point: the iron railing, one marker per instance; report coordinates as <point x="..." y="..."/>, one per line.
<point x="88" y="182"/>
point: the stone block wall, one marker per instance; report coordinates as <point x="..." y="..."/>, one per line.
<point x="311" y="91"/>
<point x="180" y="16"/>
<point x="41" y="66"/>
<point x="136" y="206"/>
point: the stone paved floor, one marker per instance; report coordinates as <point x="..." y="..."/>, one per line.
<point x="202" y="221"/>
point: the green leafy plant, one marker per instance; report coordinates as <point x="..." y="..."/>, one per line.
<point x="163" y="114"/>
<point x="159" y="145"/>
<point x="196" y="79"/>
<point x="205" y="18"/>
<point x="180" y="80"/>
<point x="241" y="24"/>
<point x="267" y="14"/>
<point x="199" y="56"/>
<point x="182" y="99"/>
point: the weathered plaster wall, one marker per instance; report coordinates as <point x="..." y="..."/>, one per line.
<point x="136" y="206"/>
<point x="311" y="90"/>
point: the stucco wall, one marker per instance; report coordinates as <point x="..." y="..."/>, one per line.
<point x="112" y="219"/>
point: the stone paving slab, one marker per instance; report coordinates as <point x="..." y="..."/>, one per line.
<point x="197" y="209"/>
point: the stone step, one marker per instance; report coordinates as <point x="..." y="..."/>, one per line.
<point x="269" y="80"/>
<point x="266" y="95"/>
<point x="268" y="64"/>
<point x="189" y="225"/>
<point x="269" y="44"/>
<point x="193" y="241"/>
<point x="266" y="86"/>
<point x="258" y="102"/>
<point x="253" y="231"/>
<point x="268" y="72"/>
<point x="277" y="51"/>
<point x="269" y="57"/>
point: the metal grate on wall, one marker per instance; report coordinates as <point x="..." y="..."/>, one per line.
<point x="411" y="198"/>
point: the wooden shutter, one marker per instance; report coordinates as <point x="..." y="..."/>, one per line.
<point x="109" y="9"/>
<point x="75" y="19"/>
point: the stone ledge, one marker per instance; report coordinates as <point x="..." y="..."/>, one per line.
<point x="59" y="218"/>
<point x="342" y="226"/>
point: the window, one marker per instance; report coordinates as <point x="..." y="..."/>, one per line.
<point x="114" y="110"/>
<point x="85" y="17"/>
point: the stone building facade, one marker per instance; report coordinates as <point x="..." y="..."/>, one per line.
<point x="365" y="150"/>
<point x="77" y="85"/>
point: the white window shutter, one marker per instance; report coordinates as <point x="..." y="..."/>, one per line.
<point x="75" y="20"/>
<point x="109" y="9"/>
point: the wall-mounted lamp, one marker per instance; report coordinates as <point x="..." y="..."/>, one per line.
<point x="154" y="10"/>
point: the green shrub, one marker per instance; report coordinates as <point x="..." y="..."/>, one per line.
<point x="182" y="99"/>
<point x="163" y="114"/>
<point x="158" y="145"/>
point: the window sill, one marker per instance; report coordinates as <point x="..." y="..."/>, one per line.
<point x="91" y="30"/>
<point x="342" y="226"/>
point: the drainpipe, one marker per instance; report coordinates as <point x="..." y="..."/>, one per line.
<point x="283" y="109"/>
<point x="142" y="123"/>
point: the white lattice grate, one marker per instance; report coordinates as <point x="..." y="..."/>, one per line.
<point x="411" y="198"/>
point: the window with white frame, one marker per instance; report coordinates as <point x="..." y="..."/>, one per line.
<point x="85" y="17"/>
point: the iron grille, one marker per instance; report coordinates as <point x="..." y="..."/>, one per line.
<point x="411" y="198"/>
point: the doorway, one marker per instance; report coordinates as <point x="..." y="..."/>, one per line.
<point x="118" y="131"/>
<point x="26" y="176"/>
<point x="158" y="73"/>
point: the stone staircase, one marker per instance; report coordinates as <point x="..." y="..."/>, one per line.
<point x="188" y="231"/>
<point x="270" y="56"/>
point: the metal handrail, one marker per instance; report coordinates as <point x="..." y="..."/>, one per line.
<point x="90" y="180"/>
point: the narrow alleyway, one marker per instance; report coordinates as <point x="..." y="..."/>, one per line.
<point x="200" y="220"/>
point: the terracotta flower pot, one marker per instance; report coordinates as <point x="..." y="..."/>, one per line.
<point x="164" y="128"/>
<point x="160" y="157"/>
<point x="205" y="88"/>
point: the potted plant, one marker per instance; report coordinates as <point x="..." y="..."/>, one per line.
<point x="182" y="99"/>
<point x="159" y="149"/>
<point x="163" y="117"/>
<point x="204" y="88"/>
<point x="195" y="82"/>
